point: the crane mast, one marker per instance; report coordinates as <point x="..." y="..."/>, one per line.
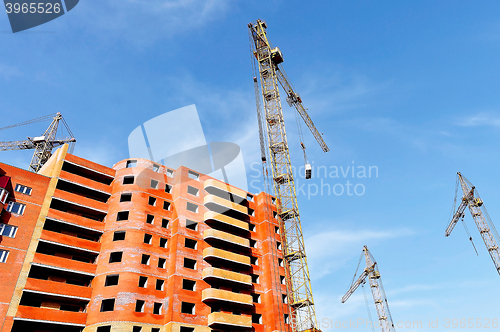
<point x="372" y="273"/>
<point x="298" y="283"/>
<point x="43" y="145"/>
<point x="483" y="221"/>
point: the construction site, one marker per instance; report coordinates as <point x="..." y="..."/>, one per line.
<point x="144" y="246"/>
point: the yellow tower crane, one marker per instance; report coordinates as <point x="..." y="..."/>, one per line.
<point x="372" y="273"/>
<point x="478" y="211"/>
<point x="267" y="61"/>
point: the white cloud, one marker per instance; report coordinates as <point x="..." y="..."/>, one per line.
<point x="227" y="115"/>
<point x="329" y="309"/>
<point x="7" y="72"/>
<point x="414" y="288"/>
<point x="101" y="152"/>
<point x="422" y="137"/>
<point x="480" y="119"/>
<point x="338" y="91"/>
<point x="490" y="33"/>
<point x="342" y="246"/>
<point x="145" y="21"/>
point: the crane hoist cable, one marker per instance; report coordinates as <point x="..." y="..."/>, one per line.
<point x="470" y="237"/>
<point x="301" y="137"/>
<point x="457" y="184"/>
<point x="260" y="118"/>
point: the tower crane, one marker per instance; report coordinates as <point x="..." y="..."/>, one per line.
<point x="372" y="273"/>
<point x="44" y="144"/>
<point x="478" y="211"/>
<point x="267" y="66"/>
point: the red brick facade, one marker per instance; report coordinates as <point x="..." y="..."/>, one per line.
<point x="138" y="247"/>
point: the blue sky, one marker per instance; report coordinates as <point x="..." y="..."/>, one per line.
<point x="408" y="87"/>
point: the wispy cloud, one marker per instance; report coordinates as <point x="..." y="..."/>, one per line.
<point x="226" y="114"/>
<point x="7" y="72"/>
<point x="490" y="33"/>
<point x="415" y="303"/>
<point x="425" y="137"/>
<point x="415" y="288"/>
<point x="100" y="152"/>
<point x="329" y="310"/>
<point x="480" y="119"/>
<point x="341" y="246"/>
<point x="338" y="91"/>
<point x="145" y="21"/>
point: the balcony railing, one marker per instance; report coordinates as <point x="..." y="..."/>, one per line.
<point x="211" y="295"/>
<point x="213" y="235"/>
<point x="223" y="221"/>
<point x="212" y="273"/>
<point x="225" y="191"/>
<point x="215" y="203"/>
<point x="223" y="320"/>
<point x="223" y="256"/>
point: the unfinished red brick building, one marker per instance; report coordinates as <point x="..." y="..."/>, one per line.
<point x="138" y="247"/>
